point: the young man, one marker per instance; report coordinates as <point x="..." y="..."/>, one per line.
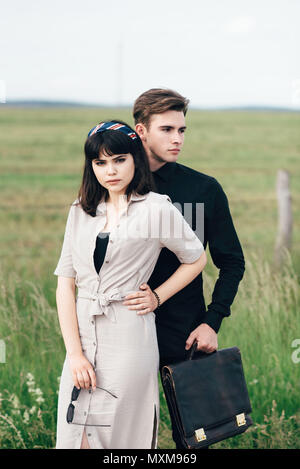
<point x="159" y="116"/>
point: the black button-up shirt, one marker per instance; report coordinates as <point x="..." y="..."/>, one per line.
<point x="183" y="312"/>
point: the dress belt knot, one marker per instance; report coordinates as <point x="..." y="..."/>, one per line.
<point x="101" y="302"/>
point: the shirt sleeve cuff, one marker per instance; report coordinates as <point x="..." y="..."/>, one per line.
<point x="213" y="319"/>
<point x="64" y="273"/>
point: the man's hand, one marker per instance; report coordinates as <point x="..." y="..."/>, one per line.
<point x="143" y="301"/>
<point x="206" y="338"/>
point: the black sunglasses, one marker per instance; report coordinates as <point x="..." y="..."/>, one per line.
<point x="71" y="408"/>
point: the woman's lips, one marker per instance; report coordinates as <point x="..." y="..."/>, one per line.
<point x="113" y="181"/>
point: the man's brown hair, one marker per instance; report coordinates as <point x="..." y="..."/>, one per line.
<point x="157" y="101"/>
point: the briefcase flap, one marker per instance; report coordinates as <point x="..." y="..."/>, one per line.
<point x="210" y="390"/>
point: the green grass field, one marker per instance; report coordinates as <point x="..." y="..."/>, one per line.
<point x="41" y="159"/>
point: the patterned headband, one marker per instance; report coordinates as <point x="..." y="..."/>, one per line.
<point x="112" y="126"/>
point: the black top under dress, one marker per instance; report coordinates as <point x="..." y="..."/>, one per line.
<point x="100" y="250"/>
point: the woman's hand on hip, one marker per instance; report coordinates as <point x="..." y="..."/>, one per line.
<point x="143" y="301"/>
<point x="82" y="371"/>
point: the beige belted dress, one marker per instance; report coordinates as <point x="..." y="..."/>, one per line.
<point x="121" y="345"/>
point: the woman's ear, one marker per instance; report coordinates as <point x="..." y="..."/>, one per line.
<point x="141" y="131"/>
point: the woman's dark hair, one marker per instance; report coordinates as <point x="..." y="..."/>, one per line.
<point x="112" y="142"/>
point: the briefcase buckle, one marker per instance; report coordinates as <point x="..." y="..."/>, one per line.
<point x="200" y="434"/>
<point x="240" y="419"/>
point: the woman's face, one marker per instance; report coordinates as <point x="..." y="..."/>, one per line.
<point x="114" y="172"/>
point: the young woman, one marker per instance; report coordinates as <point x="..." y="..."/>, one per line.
<point x="108" y="396"/>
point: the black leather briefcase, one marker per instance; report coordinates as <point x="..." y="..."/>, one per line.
<point x="208" y="397"/>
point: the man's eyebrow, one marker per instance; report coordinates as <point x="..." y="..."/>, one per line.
<point x="171" y="127"/>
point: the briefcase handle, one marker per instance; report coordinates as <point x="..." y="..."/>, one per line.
<point x="193" y="350"/>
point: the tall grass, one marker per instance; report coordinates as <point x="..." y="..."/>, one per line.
<point x="266" y="309"/>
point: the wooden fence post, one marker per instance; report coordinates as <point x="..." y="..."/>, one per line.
<point x="285" y="221"/>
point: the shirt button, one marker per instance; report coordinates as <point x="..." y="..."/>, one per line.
<point x="93" y="322"/>
<point x="106" y="262"/>
<point x="94" y="343"/>
<point x="111" y="241"/>
<point x="89" y="434"/>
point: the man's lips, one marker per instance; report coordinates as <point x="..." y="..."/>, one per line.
<point x="175" y="150"/>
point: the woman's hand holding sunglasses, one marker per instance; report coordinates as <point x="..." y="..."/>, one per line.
<point x="82" y="371"/>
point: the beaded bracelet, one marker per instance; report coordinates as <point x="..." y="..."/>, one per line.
<point x="157" y="297"/>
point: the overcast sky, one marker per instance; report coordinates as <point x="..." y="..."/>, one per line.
<point x="215" y="52"/>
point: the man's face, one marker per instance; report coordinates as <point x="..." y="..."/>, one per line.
<point x="163" y="139"/>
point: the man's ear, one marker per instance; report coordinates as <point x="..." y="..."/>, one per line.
<point x="141" y="131"/>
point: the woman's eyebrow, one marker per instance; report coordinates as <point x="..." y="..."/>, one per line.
<point x="113" y="157"/>
<point x="120" y="156"/>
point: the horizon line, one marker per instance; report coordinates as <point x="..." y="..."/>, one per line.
<point x="32" y="102"/>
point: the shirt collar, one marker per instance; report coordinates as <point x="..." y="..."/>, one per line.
<point x="101" y="208"/>
<point x="166" y="171"/>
